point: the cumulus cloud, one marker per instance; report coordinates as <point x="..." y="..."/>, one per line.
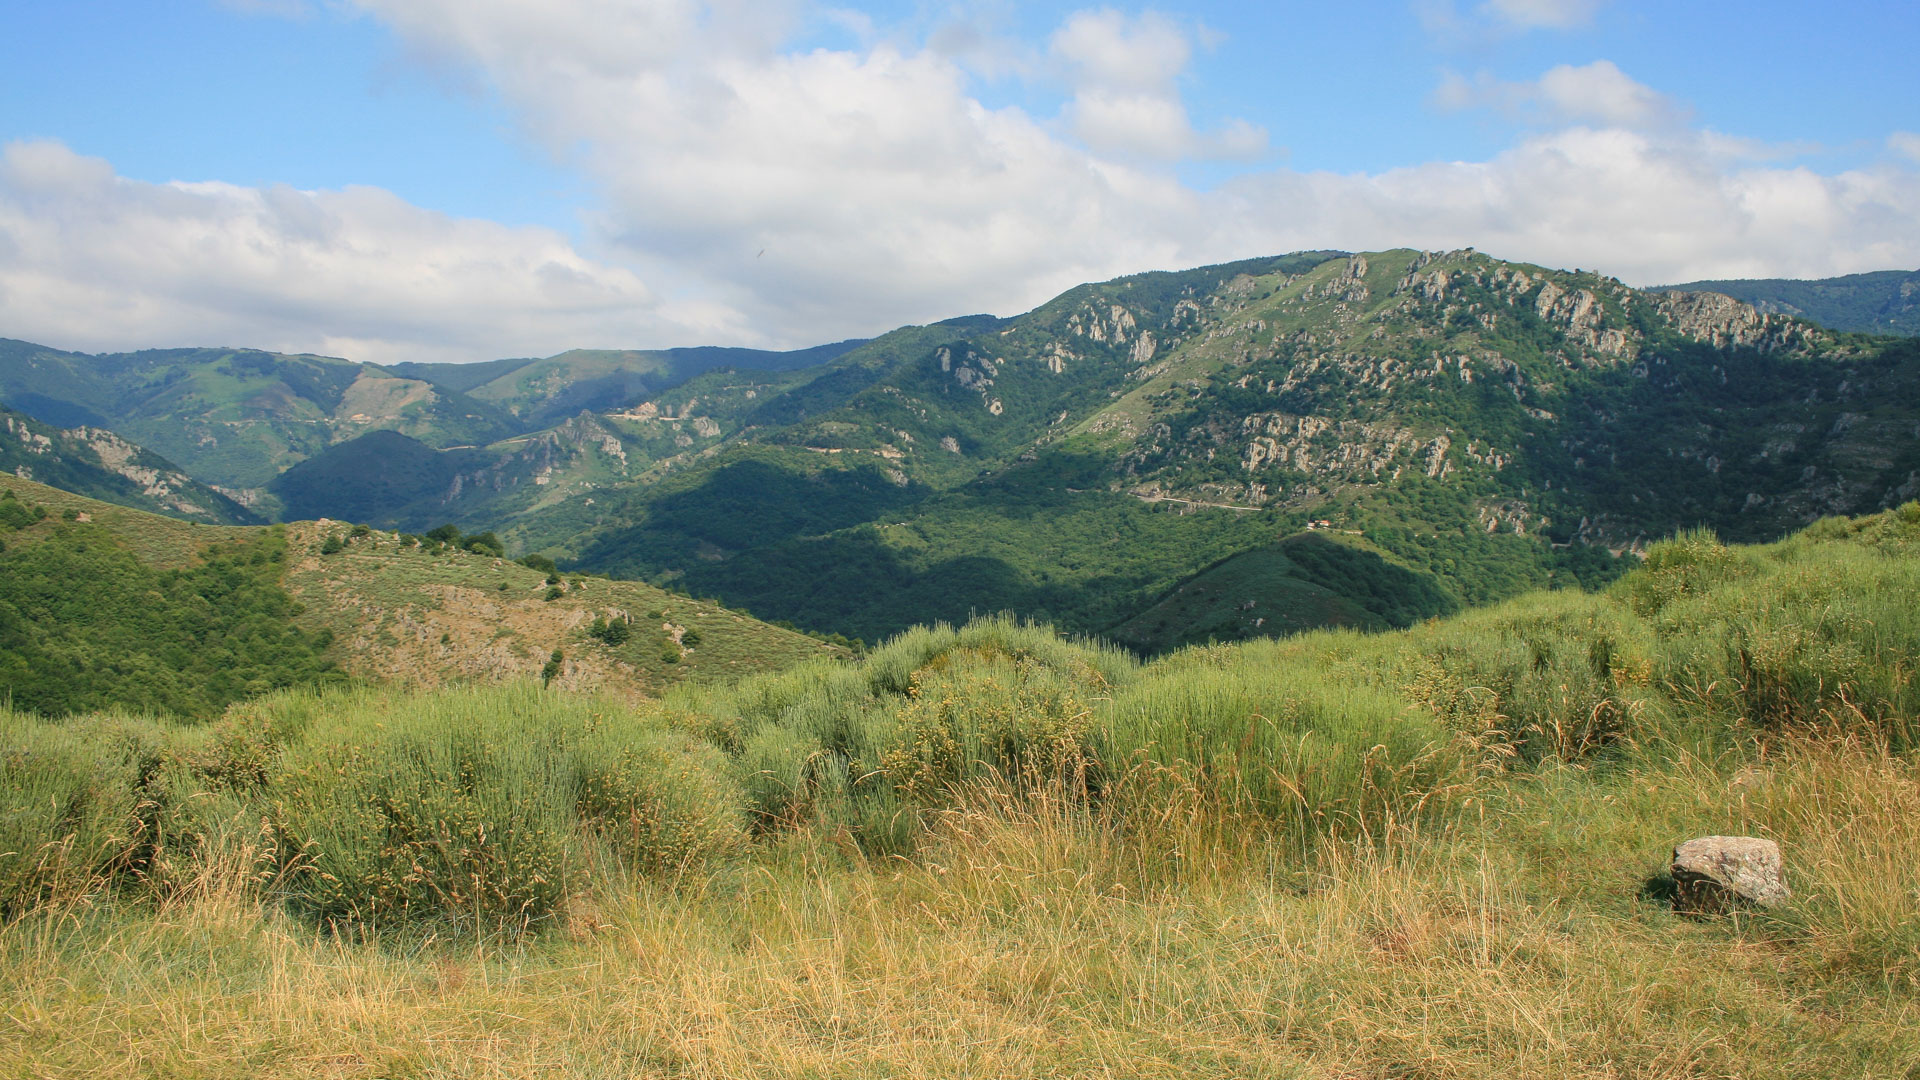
<point x="1126" y="100"/>
<point x="94" y="261"/>
<point x="1647" y="208"/>
<point x="1597" y="93"/>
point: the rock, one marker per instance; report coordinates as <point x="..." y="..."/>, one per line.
<point x="1716" y="873"/>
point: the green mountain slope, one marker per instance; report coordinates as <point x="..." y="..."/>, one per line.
<point x="97" y="463"/>
<point x="545" y="391"/>
<point x="105" y="606"/>
<point x="1884" y="302"/>
<point x="1490" y="426"/>
<point x="102" y="607"/>
<point x="236" y="418"/>
<point x="1470" y="428"/>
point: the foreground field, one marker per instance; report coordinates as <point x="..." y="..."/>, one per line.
<point x="991" y="852"/>
<point x="1024" y="946"/>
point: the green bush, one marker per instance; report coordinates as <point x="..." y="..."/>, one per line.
<point x="474" y="806"/>
<point x="662" y="801"/>
<point x="974" y="713"/>
<point x="1296" y="754"/>
<point x="75" y="810"/>
<point x="1549" y="675"/>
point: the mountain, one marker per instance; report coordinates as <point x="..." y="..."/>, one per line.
<point x="103" y="605"/>
<point x="98" y="463"/>
<point x="1489" y="426"/>
<point x="540" y="392"/>
<point x="1450" y="428"/>
<point x="1883" y="302"/>
<point x="235" y="418"/>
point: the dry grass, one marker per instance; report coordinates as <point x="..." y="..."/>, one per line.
<point x="1030" y="939"/>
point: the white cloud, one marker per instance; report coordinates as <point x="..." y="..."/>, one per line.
<point x="1906" y="144"/>
<point x="1126" y="100"/>
<point x="94" y="261"/>
<point x="1597" y="93"/>
<point x="831" y="192"/>
<point x="1144" y="53"/>
<point x="778" y="197"/>
<point x="1647" y="208"/>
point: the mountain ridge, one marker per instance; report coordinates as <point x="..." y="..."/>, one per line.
<point x="1486" y="426"/>
<point x="1880" y="302"/>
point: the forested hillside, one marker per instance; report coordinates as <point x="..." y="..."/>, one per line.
<point x="87" y="624"/>
<point x="1883" y="302"/>
<point x="105" y="607"/>
<point x="99" y="464"/>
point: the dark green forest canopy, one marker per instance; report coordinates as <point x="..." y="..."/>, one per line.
<point x="86" y="625"/>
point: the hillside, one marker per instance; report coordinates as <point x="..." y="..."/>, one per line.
<point x="402" y="613"/>
<point x="103" y="605"/>
<point x="1445" y="851"/>
<point x="100" y="464"/>
<point x="542" y="392"/>
<point x="1884" y="302"/>
<point x="1494" y="426"/>
<point x="87" y="623"/>
<point x="235" y="418"/>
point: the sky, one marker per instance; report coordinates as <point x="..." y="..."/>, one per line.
<point x="458" y="180"/>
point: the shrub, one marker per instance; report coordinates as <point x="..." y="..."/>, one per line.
<point x="473" y="806"/>
<point x="973" y="713"/>
<point x="1295" y="754"/>
<point x="1549" y="675"/>
<point x="332" y="545"/>
<point x="75" y="812"/>
<point x="1687" y="565"/>
<point x="661" y="801"/>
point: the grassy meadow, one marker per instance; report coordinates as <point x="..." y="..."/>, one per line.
<point x="994" y="851"/>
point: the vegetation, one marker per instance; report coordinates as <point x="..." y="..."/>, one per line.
<point x="236" y="417"/>
<point x="1883" y="302"/>
<point x="1481" y="428"/>
<point x="86" y="624"/>
<point x="101" y="465"/>
<point x="427" y="611"/>
<point x="998" y="850"/>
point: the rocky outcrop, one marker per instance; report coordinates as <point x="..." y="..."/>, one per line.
<point x="1721" y="321"/>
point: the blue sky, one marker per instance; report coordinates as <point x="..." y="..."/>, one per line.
<point x="461" y="179"/>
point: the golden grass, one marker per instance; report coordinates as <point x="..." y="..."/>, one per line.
<point x="1028" y="939"/>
